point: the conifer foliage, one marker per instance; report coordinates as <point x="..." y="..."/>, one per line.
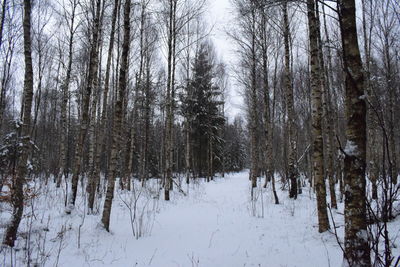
<point x="201" y="106"/>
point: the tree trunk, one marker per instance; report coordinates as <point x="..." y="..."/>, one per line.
<point x="85" y="108"/>
<point x="17" y="198"/>
<point x="373" y="169"/>
<point x="92" y="176"/>
<point x="253" y="106"/>
<point x="318" y="145"/>
<point x="64" y="103"/>
<point x="100" y="144"/>
<point x="328" y="112"/>
<point x="187" y="151"/>
<point x="147" y="121"/>
<point x="356" y="241"/>
<point x="269" y="172"/>
<point x="170" y="99"/>
<point x="118" y="114"/>
<point x="3" y="16"/>
<point x="292" y="170"/>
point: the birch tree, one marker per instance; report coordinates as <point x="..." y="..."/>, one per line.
<point x="19" y="179"/>
<point x="118" y="117"/>
<point x="318" y="146"/>
<point x="289" y="105"/>
<point x="84" y="121"/>
<point x="72" y="28"/>
<point x="356" y="241"/>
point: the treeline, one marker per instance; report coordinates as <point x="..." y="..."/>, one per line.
<point x="111" y="89"/>
<point x="321" y="81"/>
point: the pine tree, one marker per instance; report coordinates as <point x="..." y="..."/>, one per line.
<point x="200" y="107"/>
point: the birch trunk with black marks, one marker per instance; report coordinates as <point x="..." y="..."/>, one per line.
<point x="118" y="114"/>
<point x="253" y="106"/>
<point x="316" y="100"/>
<point x="292" y="170"/>
<point x="331" y="114"/>
<point x="356" y="246"/>
<point x="65" y="97"/>
<point x="170" y="99"/>
<point x="372" y="151"/>
<point x="17" y="197"/>
<point x="93" y="184"/>
<point x="269" y="171"/>
<point x="93" y="64"/>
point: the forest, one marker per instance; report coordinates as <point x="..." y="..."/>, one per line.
<point x="121" y="143"/>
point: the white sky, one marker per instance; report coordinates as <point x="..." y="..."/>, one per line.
<point x="220" y="14"/>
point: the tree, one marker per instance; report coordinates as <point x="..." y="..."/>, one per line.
<point x="247" y="41"/>
<point x="268" y="125"/>
<point x="170" y="97"/>
<point x="84" y="122"/>
<point x="201" y="108"/>
<point x="118" y="116"/>
<point x="318" y="145"/>
<point x="235" y="145"/>
<point x="254" y="172"/>
<point x="290" y="105"/>
<point x="356" y="240"/>
<point x="65" y="92"/>
<point x="19" y="179"/>
<point x="95" y="173"/>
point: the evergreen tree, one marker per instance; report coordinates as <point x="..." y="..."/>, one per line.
<point x="201" y="108"/>
<point x="235" y="146"/>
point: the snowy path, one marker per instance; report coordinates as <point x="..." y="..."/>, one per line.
<point x="213" y="227"/>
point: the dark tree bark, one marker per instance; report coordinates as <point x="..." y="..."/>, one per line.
<point x="356" y="241"/>
<point x="93" y="64"/>
<point x="328" y="112"/>
<point x="292" y="172"/>
<point x="19" y="180"/>
<point x="253" y="104"/>
<point x="269" y="170"/>
<point x="3" y="16"/>
<point x="65" y="97"/>
<point x="169" y="151"/>
<point x="118" y="116"/>
<point x="95" y="179"/>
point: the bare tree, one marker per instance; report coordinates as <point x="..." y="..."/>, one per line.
<point x="19" y="180"/>
<point x="64" y="89"/>
<point x="93" y="64"/>
<point x="290" y="105"/>
<point x="118" y="116"/>
<point x="318" y="146"/>
<point x="356" y="239"/>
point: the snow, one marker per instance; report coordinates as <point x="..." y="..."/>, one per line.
<point x="351" y="148"/>
<point x="216" y="224"/>
<point x="362" y="97"/>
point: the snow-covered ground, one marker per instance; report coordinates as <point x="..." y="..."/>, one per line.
<point x="216" y="224"/>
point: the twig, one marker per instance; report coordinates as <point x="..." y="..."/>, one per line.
<point x="340" y="146"/>
<point x="397" y="262"/>
<point x="180" y="189"/>
<point x="151" y="259"/>
<point x="335" y="232"/>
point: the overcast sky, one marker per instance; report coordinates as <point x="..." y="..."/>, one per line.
<point x="221" y="15"/>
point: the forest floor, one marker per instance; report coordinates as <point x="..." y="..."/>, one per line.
<point x="215" y="224"/>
